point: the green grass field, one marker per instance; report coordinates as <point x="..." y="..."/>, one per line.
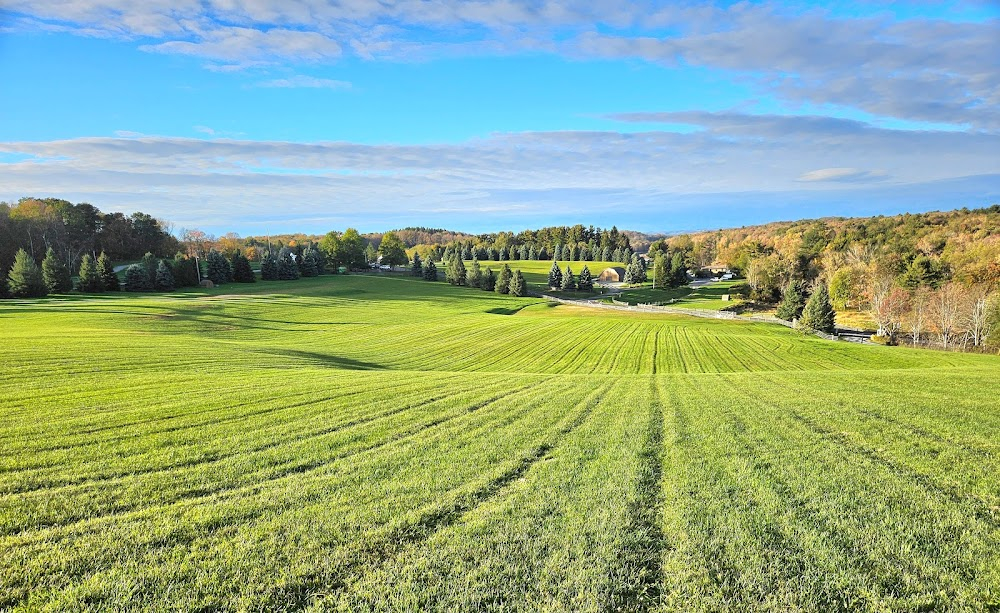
<point x="366" y="443"/>
<point x="705" y="297"/>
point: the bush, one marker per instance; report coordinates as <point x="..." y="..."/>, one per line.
<point x="741" y="290"/>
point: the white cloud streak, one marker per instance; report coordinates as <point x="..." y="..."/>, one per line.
<point x="580" y="175"/>
<point x="928" y="70"/>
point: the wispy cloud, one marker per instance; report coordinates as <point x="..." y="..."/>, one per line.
<point x="649" y="178"/>
<point x="306" y="81"/>
<point x="917" y="69"/>
<point x="845" y="175"/>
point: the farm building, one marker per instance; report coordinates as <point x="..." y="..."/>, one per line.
<point x="614" y="274"/>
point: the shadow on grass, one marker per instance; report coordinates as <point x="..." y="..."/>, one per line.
<point x="338" y="362"/>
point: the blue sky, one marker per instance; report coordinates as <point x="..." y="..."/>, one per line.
<point x="301" y="115"/>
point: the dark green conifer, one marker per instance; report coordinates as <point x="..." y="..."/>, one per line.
<point x="503" y="280"/>
<point x="109" y="278"/>
<point x="517" y="285"/>
<point x="25" y="277"/>
<point x="90" y="278"/>
<point x="55" y="274"/>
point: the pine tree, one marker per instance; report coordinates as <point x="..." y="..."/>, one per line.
<point x="109" y="278"/>
<point x="55" y="274"/>
<point x="517" y="287"/>
<point x="793" y="302"/>
<point x="557" y="253"/>
<point x="287" y="269"/>
<point x="310" y="267"/>
<point x="475" y="275"/>
<point x="661" y="271"/>
<point x="164" y="277"/>
<point x="25" y="278"/>
<point x="416" y="269"/>
<point x="90" y="277"/>
<point x="218" y="268"/>
<point x="678" y="272"/>
<point x="640" y="268"/>
<point x="429" y="271"/>
<point x="242" y="272"/>
<point x="503" y="280"/>
<point x="555" y="275"/>
<point x="818" y="313"/>
<point x="631" y="274"/>
<point x="137" y="279"/>
<point x="489" y="282"/>
<point x="586" y="281"/>
<point x="568" y="281"/>
<point x="269" y="268"/>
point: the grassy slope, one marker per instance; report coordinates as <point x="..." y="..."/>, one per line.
<point x="387" y="443"/>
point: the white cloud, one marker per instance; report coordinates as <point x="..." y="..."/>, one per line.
<point x="929" y="70"/>
<point x="731" y="161"/>
<point x="842" y="175"/>
<point x="306" y="81"/>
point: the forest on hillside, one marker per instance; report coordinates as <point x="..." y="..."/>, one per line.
<point x="933" y="275"/>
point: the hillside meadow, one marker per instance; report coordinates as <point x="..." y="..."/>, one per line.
<point x="385" y="443"/>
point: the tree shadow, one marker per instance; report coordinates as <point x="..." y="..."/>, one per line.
<point x="327" y="360"/>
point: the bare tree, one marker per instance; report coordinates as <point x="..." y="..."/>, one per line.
<point x="981" y="306"/>
<point x="946" y="307"/>
<point x="887" y="305"/>
<point x="920" y="307"/>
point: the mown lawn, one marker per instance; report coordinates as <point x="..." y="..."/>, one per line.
<point x="367" y="443"/>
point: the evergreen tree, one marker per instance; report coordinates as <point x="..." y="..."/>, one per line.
<point x="137" y="279"/>
<point x="164" y="277"/>
<point x="629" y="275"/>
<point x="55" y="274"/>
<point x="523" y="252"/>
<point x="606" y="254"/>
<point x="616" y="256"/>
<point x="489" y="282"/>
<point x="542" y="254"/>
<point x="269" y="268"/>
<point x="416" y="269"/>
<point x="818" y="313"/>
<point x="474" y="277"/>
<point x="557" y="253"/>
<point x="640" y="268"/>
<point x="586" y="281"/>
<point x="570" y="253"/>
<point x="242" y="272"/>
<point x="661" y="271"/>
<point x="517" y="286"/>
<point x="287" y="269"/>
<point x="532" y="254"/>
<point x="310" y="267"/>
<point x="568" y="281"/>
<point x="217" y="267"/>
<point x="793" y="302"/>
<point x="503" y="280"/>
<point x="456" y="271"/>
<point x="109" y="278"/>
<point x="555" y="276"/>
<point x="430" y="271"/>
<point x="25" y="278"/>
<point x="512" y="253"/>
<point x="678" y="272"/>
<point x="90" y="277"/>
